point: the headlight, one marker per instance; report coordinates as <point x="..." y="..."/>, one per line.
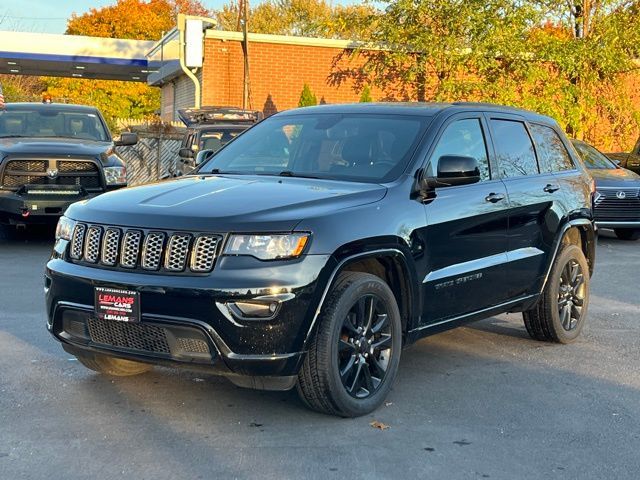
<point x="65" y="227"/>
<point x="268" y="247"/>
<point x="115" y="175"/>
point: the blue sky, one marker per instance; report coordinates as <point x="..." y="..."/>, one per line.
<point x="50" y="16"/>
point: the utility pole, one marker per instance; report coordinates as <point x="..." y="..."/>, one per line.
<point x="243" y="22"/>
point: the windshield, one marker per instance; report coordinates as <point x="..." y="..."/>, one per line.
<point x="355" y="147"/>
<point x="593" y="158"/>
<point x="215" y="139"/>
<point x="52" y="122"/>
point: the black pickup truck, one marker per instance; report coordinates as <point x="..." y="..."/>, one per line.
<point x="630" y="161"/>
<point x="52" y="155"/>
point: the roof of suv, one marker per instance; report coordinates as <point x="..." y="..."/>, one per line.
<point x="414" y="108"/>
<point x="43" y="106"/>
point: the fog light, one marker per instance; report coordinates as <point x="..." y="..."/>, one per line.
<point x="253" y="309"/>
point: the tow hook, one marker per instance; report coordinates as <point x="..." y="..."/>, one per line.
<point x="25" y="212"/>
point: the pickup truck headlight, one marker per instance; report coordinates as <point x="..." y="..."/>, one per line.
<point x="64" y="229"/>
<point x="115" y="175"/>
<point x="268" y="247"/>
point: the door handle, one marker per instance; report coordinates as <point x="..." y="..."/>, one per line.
<point x="494" y="197"/>
<point x="551" y="188"/>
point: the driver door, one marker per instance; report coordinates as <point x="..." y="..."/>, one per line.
<point x="467" y="226"/>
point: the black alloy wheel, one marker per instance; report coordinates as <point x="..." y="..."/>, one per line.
<point x="353" y="358"/>
<point x="561" y="311"/>
<point x="571" y="294"/>
<point x="365" y="347"/>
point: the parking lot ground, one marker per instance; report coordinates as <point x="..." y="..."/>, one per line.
<point x="482" y="401"/>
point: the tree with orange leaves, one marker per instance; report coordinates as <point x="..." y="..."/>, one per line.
<point x="133" y="19"/>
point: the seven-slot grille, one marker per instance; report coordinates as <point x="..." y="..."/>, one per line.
<point x="152" y="250"/>
<point x="80" y="173"/>
<point x="617" y="204"/>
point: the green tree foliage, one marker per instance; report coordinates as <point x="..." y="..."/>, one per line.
<point x="365" y="96"/>
<point x="309" y="18"/>
<point x="569" y="59"/>
<point x="307" y="97"/>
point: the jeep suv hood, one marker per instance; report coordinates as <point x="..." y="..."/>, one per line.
<point x="52" y="146"/>
<point x="223" y="203"/>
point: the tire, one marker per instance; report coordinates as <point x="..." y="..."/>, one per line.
<point x="627" y="233"/>
<point x="116" y="367"/>
<point x="370" y="362"/>
<point x="548" y="320"/>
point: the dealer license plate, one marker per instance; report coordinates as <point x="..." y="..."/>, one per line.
<point x="117" y="304"/>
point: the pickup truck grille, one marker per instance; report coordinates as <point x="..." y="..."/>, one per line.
<point x="144" y="250"/>
<point x="617" y="204"/>
<point x="80" y="173"/>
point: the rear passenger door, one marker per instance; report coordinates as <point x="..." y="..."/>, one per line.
<point x="536" y="203"/>
<point x="466" y="236"/>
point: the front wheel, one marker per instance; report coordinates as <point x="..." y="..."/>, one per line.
<point x="353" y="359"/>
<point x="627" y="233"/>
<point x="561" y="311"/>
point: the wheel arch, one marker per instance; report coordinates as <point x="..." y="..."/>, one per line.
<point x="580" y="232"/>
<point x="391" y="265"/>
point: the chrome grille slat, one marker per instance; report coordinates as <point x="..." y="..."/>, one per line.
<point x="92" y="244"/>
<point x="177" y="252"/>
<point x="110" y="246"/>
<point x="77" y="242"/>
<point x="130" y="249"/>
<point x="204" y="253"/>
<point x="150" y="250"/>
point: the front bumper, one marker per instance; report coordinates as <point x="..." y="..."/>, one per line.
<point x="188" y="314"/>
<point x="17" y="207"/>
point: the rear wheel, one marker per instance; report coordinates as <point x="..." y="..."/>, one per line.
<point x="627" y="233"/>
<point x="353" y="359"/>
<point x="562" y="309"/>
<point x="116" y="367"/>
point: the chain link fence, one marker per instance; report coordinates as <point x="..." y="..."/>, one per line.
<point x="153" y="158"/>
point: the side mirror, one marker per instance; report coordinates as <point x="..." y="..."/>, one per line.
<point x="203" y="156"/>
<point x="457" y="170"/>
<point x="186" y="153"/>
<point x="126" y="139"/>
<point x="452" y="170"/>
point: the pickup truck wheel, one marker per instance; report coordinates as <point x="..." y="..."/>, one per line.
<point x="353" y="359"/>
<point x="116" y="367"/>
<point x="562" y="309"/>
<point x="627" y="233"/>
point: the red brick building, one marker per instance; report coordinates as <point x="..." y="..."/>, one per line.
<point x="279" y="68"/>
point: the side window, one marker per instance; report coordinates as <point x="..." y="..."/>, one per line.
<point x="463" y="137"/>
<point x="516" y="156"/>
<point x="552" y="152"/>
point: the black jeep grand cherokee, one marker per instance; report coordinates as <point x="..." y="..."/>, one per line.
<point x="52" y="155"/>
<point x="311" y="249"/>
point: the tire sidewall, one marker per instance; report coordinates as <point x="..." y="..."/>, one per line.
<point x="347" y="404"/>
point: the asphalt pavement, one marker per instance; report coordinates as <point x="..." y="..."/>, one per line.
<point x="480" y="402"/>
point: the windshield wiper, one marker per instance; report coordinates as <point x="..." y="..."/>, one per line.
<point x="12" y="136"/>
<point x="289" y="173"/>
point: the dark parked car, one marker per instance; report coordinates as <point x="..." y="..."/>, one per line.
<point x="617" y="198"/>
<point x="628" y="160"/>
<point x="210" y="128"/>
<point x="52" y="155"/>
<point x="316" y="245"/>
